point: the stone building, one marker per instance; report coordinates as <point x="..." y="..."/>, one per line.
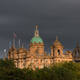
<point x="36" y="56"/>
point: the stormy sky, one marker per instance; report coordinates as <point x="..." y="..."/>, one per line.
<point x="54" y="17"/>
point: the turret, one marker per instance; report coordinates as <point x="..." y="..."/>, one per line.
<point x="57" y="48"/>
<point x="76" y="51"/>
<point x="36" y="43"/>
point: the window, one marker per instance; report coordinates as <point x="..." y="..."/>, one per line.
<point x="59" y="52"/>
<point x="41" y="60"/>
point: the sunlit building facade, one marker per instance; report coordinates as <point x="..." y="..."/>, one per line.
<point x="35" y="56"/>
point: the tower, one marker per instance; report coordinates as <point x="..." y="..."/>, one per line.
<point x="57" y="48"/>
<point x="76" y="51"/>
<point x="36" y="34"/>
<point x="36" y="43"/>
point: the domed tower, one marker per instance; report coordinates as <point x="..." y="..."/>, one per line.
<point x="36" y="43"/>
<point x="57" y="48"/>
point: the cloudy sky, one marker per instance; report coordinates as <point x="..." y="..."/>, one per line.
<point x="55" y="17"/>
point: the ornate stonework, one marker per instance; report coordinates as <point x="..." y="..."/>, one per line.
<point x="36" y="56"/>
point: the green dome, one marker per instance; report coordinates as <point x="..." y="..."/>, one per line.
<point x="36" y="39"/>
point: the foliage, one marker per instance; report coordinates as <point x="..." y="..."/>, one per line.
<point x="60" y="71"/>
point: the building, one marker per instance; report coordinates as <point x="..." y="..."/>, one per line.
<point x="36" y="56"/>
<point x="76" y="53"/>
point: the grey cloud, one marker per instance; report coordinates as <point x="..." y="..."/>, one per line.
<point x="55" y="17"/>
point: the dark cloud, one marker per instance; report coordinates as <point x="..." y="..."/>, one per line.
<point x="55" y="17"/>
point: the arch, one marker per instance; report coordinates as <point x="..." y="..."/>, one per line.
<point x="58" y="52"/>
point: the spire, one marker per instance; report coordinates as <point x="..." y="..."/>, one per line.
<point x="10" y="44"/>
<point x="36" y="27"/>
<point x="13" y="43"/>
<point x="56" y="38"/>
<point x="22" y="45"/>
<point x="36" y="31"/>
<point x="14" y="37"/>
<point x="77" y="45"/>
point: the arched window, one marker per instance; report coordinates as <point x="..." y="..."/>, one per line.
<point x="58" y="51"/>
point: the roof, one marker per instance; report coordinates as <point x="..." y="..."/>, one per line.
<point x="57" y="43"/>
<point x="36" y="40"/>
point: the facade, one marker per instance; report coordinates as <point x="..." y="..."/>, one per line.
<point x="36" y="56"/>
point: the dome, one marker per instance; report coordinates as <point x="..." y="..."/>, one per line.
<point x="57" y="43"/>
<point x="36" y="39"/>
